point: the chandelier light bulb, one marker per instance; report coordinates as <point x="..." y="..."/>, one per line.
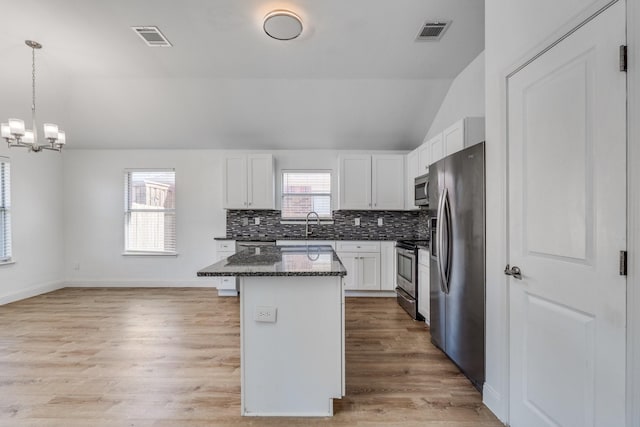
<point x="50" y="131"/>
<point x="28" y="137"/>
<point x="5" y="131"/>
<point x="17" y="127"/>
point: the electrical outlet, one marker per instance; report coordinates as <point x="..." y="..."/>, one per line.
<point x="380" y="222"/>
<point x="356" y="222"/>
<point x="256" y="220"/>
<point x="265" y="313"/>
<point x="245" y="221"/>
<point x="76" y="266"/>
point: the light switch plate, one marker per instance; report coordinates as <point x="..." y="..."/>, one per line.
<point x="356" y="221"/>
<point x="256" y="220"/>
<point x="380" y="222"/>
<point x="265" y="313"/>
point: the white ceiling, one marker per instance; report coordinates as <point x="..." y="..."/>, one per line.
<point x="355" y="79"/>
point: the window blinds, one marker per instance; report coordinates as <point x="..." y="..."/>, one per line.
<point x="304" y="192"/>
<point x="5" y="210"/>
<point x="150" y="211"/>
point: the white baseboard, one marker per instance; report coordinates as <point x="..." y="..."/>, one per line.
<point x="79" y="283"/>
<point x="227" y="293"/>
<point x="377" y="294"/>
<point x="492" y="400"/>
<point x="32" y="292"/>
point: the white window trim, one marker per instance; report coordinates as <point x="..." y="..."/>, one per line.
<point x="323" y="220"/>
<point x="134" y="253"/>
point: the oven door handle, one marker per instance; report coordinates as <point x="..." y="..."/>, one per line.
<point x="440" y="225"/>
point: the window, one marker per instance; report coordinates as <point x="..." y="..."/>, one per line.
<point x="5" y="211"/>
<point x="150" y="211"/>
<point x="304" y="192"/>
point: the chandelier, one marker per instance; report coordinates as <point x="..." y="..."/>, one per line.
<point x="15" y="133"/>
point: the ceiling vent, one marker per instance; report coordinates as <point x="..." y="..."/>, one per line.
<point x="433" y="31"/>
<point x="152" y="36"/>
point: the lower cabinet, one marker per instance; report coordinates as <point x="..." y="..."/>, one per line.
<point x="387" y="266"/>
<point x="423" y="284"/>
<point x="227" y="286"/>
<point x="362" y="261"/>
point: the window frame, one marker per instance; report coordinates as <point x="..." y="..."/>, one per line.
<point x="323" y="219"/>
<point x="128" y="212"/>
<point x="5" y="209"/>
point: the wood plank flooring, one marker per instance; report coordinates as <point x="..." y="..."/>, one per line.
<point x="170" y="357"/>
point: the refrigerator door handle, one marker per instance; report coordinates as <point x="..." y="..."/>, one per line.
<point x="446" y="210"/>
<point x="439" y="233"/>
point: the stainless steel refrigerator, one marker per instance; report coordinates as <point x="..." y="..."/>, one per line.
<point x="457" y="273"/>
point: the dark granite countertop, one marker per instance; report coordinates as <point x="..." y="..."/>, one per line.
<point x="279" y="261"/>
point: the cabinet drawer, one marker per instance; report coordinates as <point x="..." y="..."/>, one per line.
<point x="423" y="257"/>
<point x="357" y="246"/>
<point x="226" y="245"/>
<point x="228" y="283"/>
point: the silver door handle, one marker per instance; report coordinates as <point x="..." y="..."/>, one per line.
<point x="439" y="239"/>
<point x="513" y="272"/>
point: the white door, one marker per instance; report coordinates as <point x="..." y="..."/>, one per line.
<point x="387" y="174"/>
<point x="235" y="182"/>
<point x="355" y="182"/>
<point x="567" y="224"/>
<point x="260" y="181"/>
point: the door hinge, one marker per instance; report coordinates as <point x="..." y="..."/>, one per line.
<point x="623" y="58"/>
<point x="623" y="263"/>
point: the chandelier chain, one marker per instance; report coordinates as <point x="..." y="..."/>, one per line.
<point x="33" y="78"/>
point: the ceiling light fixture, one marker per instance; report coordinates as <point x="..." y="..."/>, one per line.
<point x="282" y="25"/>
<point x="15" y="133"/>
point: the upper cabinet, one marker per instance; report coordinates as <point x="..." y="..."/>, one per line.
<point x="462" y="134"/>
<point x="413" y="170"/>
<point x="424" y="159"/>
<point x="248" y="181"/>
<point x="372" y="182"/>
<point x="436" y="148"/>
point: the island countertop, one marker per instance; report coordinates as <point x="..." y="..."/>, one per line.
<point x="312" y="260"/>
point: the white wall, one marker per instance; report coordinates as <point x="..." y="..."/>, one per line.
<point x="515" y="31"/>
<point x="36" y="225"/>
<point x="465" y="97"/>
<point x="94" y="215"/>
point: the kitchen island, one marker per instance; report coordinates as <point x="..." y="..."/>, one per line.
<point x="291" y="328"/>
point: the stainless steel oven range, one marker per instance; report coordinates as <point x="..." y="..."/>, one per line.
<point x="407" y="275"/>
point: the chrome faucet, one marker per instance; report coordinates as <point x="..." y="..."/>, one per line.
<point x="307" y="233"/>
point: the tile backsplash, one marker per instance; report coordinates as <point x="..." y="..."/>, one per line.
<point x="396" y="225"/>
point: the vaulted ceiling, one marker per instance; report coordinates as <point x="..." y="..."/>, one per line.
<point x="355" y="79"/>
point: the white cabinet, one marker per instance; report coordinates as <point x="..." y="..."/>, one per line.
<point x="362" y="261"/>
<point x="227" y="286"/>
<point x="436" y="148"/>
<point x="462" y="134"/>
<point x="423" y="284"/>
<point x="355" y="182"/>
<point x="248" y="181"/>
<point x="387" y="181"/>
<point x="371" y="181"/>
<point x="387" y="266"/>
<point x="412" y="173"/>
<point x="424" y="159"/>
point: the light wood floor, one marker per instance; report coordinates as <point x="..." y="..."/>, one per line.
<point x="170" y="357"/>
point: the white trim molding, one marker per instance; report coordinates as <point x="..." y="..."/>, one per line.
<point x="134" y="283"/>
<point x="33" y="291"/>
<point x="633" y="214"/>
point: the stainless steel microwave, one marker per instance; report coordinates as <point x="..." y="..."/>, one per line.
<point x="421" y="190"/>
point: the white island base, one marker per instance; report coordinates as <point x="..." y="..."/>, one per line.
<point x="295" y="365"/>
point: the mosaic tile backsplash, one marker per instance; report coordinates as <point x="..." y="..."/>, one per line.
<point x="396" y="225"/>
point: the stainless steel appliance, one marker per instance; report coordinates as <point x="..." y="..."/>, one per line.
<point x="457" y="264"/>
<point x="421" y="191"/>
<point x="407" y="275"/>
